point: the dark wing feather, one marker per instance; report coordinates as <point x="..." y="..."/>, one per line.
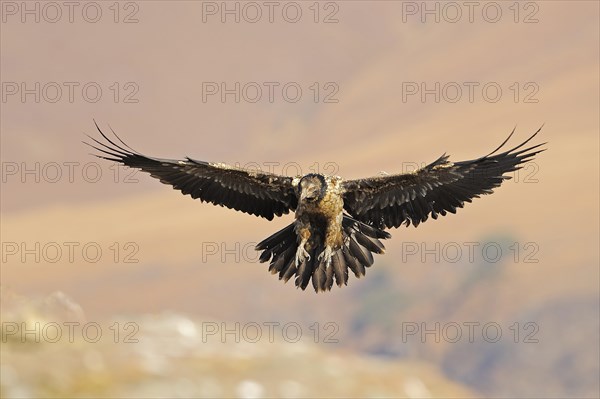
<point x="438" y="188"/>
<point x="256" y="193"/>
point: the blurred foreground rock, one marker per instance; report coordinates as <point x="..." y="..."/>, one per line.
<point x="49" y="349"/>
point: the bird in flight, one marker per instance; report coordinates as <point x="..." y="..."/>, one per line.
<point x="339" y="224"/>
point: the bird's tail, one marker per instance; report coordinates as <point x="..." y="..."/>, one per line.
<point x="360" y="242"/>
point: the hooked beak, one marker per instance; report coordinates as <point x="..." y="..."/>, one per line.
<point x="308" y="195"/>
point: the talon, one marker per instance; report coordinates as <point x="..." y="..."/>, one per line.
<point x="327" y="254"/>
<point x="301" y="254"/>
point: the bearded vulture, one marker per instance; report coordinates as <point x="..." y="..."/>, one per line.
<point x="338" y="223"/>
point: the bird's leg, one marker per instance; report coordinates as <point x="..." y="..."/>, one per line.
<point x="333" y="239"/>
<point x="301" y="252"/>
<point x="326" y="254"/>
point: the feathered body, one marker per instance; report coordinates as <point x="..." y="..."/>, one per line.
<point x="322" y="243"/>
<point x="338" y="223"/>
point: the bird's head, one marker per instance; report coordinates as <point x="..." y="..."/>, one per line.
<point x="312" y="188"/>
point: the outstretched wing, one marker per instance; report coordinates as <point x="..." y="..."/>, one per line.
<point x="256" y="193"/>
<point x="440" y="187"/>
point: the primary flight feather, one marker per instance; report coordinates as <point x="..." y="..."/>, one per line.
<point x="338" y="223"/>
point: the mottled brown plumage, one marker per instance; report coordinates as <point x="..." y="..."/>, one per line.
<point x="324" y="242"/>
